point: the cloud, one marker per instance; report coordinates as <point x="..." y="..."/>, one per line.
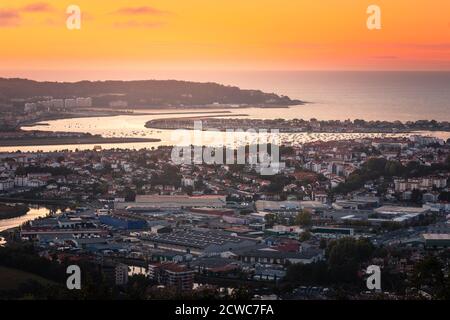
<point x="137" y="24"/>
<point x="139" y="13"/>
<point x="13" y="17"/>
<point x="145" y="10"/>
<point x="37" y="7"/>
<point x="9" y="14"/>
<point x="9" y="18"/>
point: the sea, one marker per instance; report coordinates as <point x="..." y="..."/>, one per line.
<point x="404" y="96"/>
<point x="338" y="95"/>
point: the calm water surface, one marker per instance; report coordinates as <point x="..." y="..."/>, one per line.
<point x="387" y="96"/>
<point x="34" y="213"/>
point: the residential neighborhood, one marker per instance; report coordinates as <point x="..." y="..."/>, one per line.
<point x="196" y="227"/>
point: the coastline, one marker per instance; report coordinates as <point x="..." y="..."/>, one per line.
<point x="71" y="141"/>
<point x="218" y="120"/>
<point x="111" y="113"/>
<point x="61" y="116"/>
<point x="220" y="124"/>
<point x="108" y="112"/>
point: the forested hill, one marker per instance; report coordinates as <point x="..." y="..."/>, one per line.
<point x="141" y="93"/>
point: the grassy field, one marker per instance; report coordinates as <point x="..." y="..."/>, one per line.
<point x="10" y="279"/>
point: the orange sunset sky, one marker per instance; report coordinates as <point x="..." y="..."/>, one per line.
<point x="125" y="35"/>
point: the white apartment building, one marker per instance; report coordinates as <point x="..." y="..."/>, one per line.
<point x="6" y="185"/>
<point x="84" y="102"/>
<point x="21" y="181"/>
<point x="70" y="103"/>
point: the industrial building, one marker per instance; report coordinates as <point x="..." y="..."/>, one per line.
<point x="436" y="240"/>
<point x="198" y="242"/>
<point x="289" y="206"/>
<point x="173" y="202"/>
<point x="401" y="214"/>
<point x="278" y="257"/>
<point x="333" y="232"/>
<point x="123" y="222"/>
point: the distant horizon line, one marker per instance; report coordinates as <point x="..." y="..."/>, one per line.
<point x="21" y="77"/>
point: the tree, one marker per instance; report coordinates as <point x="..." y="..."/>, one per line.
<point x="303" y="218"/>
<point x="189" y="190"/>
<point x="345" y="257"/>
<point x="323" y="243"/>
<point x="137" y="286"/>
<point x="305" y="236"/>
<point x="308" y="274"/>
<point x="428" y="272"/>
<point x="444" y="196"/>
<point x="241" y="293"/>
<point x="394" y="168"/>
<point x="129" y="195"/>
<point x="270" y="220"/>
<point x="416" y="196"/>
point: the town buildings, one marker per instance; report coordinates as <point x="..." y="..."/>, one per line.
<point x="179" y="223"/>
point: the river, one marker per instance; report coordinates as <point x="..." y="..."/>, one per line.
<point x="33" y="213"/>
